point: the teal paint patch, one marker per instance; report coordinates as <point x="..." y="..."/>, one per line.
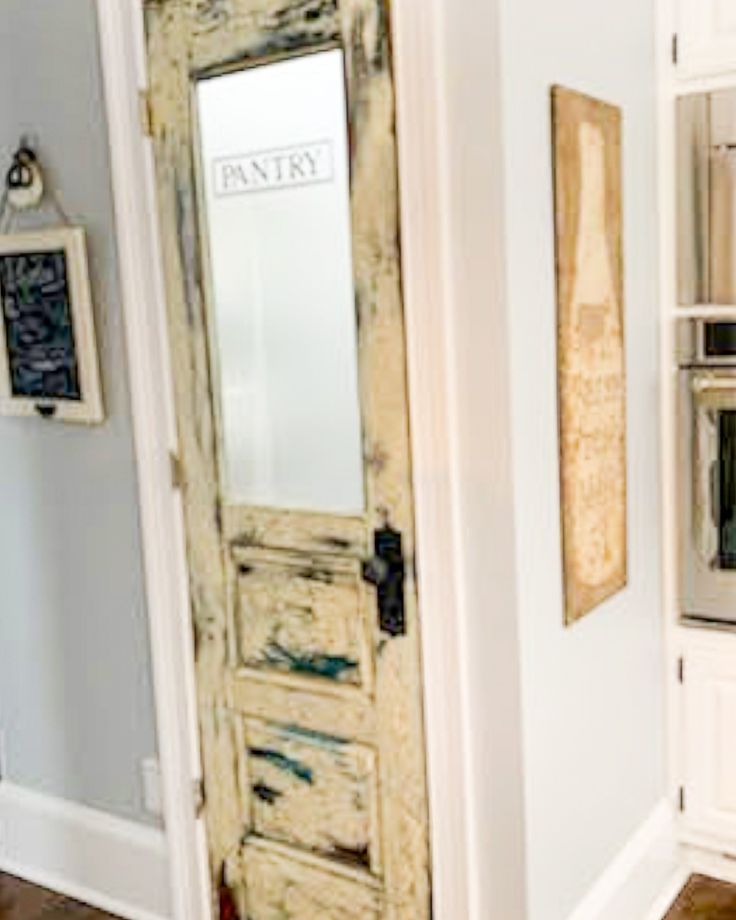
<point x="332" y="667"/>
<point x="318" y="739"/>
<point x="287" y="764"/>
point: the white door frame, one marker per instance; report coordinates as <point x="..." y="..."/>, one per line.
<point x="426" y="271"/>
<point x="122" y="52"/>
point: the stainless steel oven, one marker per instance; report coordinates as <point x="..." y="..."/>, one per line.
<point x="707" y="443"/>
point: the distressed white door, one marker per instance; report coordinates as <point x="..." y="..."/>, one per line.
<point x="706" y="37"/>
<point x="273" y="125"/>
<point x="709" y="734"/>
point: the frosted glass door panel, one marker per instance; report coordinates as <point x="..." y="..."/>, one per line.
<point x="274" y="160"/>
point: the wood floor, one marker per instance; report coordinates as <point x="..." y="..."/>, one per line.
<point x="702" y="899"/>
<point x="705" y="899"/>
<point x="21" y="901"/>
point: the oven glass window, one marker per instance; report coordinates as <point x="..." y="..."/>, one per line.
<point x="720" y="340"/>
<point x="727" y="489"/>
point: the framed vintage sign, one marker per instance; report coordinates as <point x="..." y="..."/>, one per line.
<point x="590" y="342"/>
<point x="48" y="354"/>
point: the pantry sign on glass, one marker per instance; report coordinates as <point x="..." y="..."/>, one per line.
<point x="277" y="192"/>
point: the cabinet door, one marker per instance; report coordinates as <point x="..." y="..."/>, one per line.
<point x="709" y="711"/>
<point x="706" y="36"/>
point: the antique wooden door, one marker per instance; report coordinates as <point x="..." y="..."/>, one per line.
<point x="273" y="126"/>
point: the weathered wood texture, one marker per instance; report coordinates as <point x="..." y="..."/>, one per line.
<point x="303" y="616"/>
<point x="311" y="717"/>
<point x="591" y="373"/>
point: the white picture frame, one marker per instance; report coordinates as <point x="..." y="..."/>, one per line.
<point x="49" y="365"/>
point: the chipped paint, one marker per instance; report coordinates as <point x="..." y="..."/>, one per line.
<point x="286" y="630"/>
<point x="352" y="856"/>
<point x="266" y="793"/>
<point x="282" y="762"/>
<point x="214" y="13"/>
<point x="336" y="542"/>
<point x="264" y="28"/>
<point x="334" y="814"/>
<point x="332" y="667"/>
<point x="307" y="622"/>
<point x="323" y="575"/>
<point x="299" y="891"/>
<point x="318" y="738"/>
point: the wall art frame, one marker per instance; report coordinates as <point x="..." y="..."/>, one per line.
<point x="587" y="144"/>
<point x="49" y="364"/>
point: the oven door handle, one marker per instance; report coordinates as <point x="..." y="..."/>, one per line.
<point x="715" y="494"/>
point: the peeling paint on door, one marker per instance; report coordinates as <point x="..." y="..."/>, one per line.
<point x="310" y="719"/>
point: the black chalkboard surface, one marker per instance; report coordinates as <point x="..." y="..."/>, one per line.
<point x="49" y="366"/>
<point x="39" y="332"/>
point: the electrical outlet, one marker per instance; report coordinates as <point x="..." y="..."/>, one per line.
<point x="152" y="794"/>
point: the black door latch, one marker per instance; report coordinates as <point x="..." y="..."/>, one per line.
<point x="387" y="572"/>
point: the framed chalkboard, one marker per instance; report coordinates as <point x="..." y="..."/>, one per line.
<point x="48" y="354"/>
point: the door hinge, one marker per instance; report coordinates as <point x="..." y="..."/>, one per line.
<point x="177" y="474"/>
<point x="145" y="112"/>
<point x="675" y="48"/>
<point x="681" y="670"/>
<point x="681" y="802"/>
<point x="198" y="797"/>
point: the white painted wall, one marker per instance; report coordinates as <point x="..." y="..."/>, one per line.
<point x="76" y="707"/>
<point x="564" y="726"/>
<point x="592" y="694"/>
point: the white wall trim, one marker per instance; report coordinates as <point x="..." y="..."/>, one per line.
<point x="116" y="865"/>
<point x="485" y="661"/>
<point x="123" y="57"/>
<point x="668" y="895"/>
<point x="647" y="872"/>
<point x="705" y="860"/>
<point x="426" y="276"/>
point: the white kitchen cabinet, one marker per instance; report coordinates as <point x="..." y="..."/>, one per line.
<point x="709" y="743"/>
<point x="706" y="37"/>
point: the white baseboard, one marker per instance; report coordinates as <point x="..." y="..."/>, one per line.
<point x="113" y="864"/>
<point x="668" y="895"/>
<point x="645" y="877"/>
<point x="715" y="863"/>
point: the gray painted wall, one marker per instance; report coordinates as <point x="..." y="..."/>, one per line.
<point x="76" y="706"/>
<point x="592" y="694"/>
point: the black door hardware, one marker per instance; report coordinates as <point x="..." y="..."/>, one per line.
<point x="387" y="572"/>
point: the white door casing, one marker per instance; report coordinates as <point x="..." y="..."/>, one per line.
<point x="417" y="30"/>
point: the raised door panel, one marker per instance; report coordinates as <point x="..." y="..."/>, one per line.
<point x="710" y="744"/>
<point x="706" y="37"/>
<point x="303" y="616"/>
<point x="314" y="792"/>
<point x="277" y="886"/>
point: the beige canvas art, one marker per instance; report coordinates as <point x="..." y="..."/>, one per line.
<point x="591" y="367"/>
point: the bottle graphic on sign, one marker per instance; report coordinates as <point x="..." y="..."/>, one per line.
<point x="593" y="401"/>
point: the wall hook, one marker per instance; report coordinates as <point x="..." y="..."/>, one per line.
<point x="24" y="180"/>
